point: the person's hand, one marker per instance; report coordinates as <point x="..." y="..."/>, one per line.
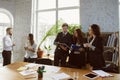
<point x="81" y="49"/>
<point x="64" y="48"/>
<point x="88" y="66"/>
<point x="26" y="48"/>
<point x="13" y="44"/>
<point x="87" y="45"/>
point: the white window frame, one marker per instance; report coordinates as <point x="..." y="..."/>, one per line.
<point x="35" y="11"/>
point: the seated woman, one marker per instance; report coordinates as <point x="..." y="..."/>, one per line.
<point x="30" y="49"/>
<point x="77" y="55"/>
<point x="95" y="48"/>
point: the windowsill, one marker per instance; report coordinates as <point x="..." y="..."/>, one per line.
<point x="50" y="57"/>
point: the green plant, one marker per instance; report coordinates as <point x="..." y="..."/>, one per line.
<point x="56" y="28"/>
<point x="48" y="48"/>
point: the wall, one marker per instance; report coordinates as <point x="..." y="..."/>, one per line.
<point x="102" y="12"/>
<point x="22" y="27"/>
<point x="8" y="5"/>
<point x="21" y="11"/>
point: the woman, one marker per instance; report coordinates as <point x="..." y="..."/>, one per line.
<point x="95" y="48"/>
<point x="77" y="55"/>
<point x="30" y="48"/>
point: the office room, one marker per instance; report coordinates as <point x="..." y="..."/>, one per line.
<point x="59" y="39"/>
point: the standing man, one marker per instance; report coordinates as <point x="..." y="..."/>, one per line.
<point x="7" y="47"/>
<point x="62" y="51"/>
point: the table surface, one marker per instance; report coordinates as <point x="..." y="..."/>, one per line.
<point x="10" y="72"/>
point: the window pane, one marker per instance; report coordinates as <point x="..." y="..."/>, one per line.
<point x="4" y="18"/>
<point x="68" y="3"/>
<point x="46" y="20"/>
<point x="46" y="4"/>
<point x="69" y="16"/>
<point x="3" y="32"/>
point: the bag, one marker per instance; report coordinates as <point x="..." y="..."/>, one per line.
<point x="111" y="68"/>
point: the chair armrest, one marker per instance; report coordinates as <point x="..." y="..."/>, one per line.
<point x="111" y="49"/>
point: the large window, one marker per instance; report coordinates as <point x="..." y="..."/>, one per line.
<point x="47" y="13"/>
<point x="6" y="20"/>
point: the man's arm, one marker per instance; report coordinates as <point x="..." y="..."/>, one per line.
<point x="57" y="39"/>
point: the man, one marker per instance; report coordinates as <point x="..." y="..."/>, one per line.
<point x="7" y="47"/>
<point x="62" y="41"/>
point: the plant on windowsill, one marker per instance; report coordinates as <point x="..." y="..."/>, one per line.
<point x="48" y="49"/>
<point x="53" y="31"/>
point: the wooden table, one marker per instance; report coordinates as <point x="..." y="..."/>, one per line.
<point x="10" y="72"/>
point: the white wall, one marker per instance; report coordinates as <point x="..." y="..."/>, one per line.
<point x="22" y="27"/>
<point x="102" y="12"/>
<point x="8" y="5"/>
<point x="21" y="11"/>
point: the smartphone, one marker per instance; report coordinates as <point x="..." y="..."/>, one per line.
<point x="91" y="76"/>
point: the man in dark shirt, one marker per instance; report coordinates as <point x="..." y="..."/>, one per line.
<point x="63" y="42"/>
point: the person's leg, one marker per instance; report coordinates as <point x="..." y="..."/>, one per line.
<point x="6" y="57"/>
<point x="63" y="61"/>
<point x="25" y="59"/>
<point x="56" y="59"/>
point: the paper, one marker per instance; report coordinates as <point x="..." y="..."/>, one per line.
<point x="22" y="68"/>
<point x="60" y="76"/>
<point x="102" y="73"/>
<point x="31" y="65"/>
<point x="52" y="69"/>
<point x="27" y="72"/>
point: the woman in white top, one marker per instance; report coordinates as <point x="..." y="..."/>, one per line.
<point x="31" y="49"/>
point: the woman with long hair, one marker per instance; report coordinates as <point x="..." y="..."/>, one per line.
<point x="77" y="55"/>
<point x="30" y="49"/>
<point x="94" y="47"/>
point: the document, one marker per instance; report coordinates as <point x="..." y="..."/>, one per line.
<point x="60" y="76"/>
<point x="58" y="43"/>
<point x="52" y="69"/>
<point x="27" y="72"/>
<point x="31" y="65"/>
<point x="22" y="68"/>
<point x="102" y="73"/>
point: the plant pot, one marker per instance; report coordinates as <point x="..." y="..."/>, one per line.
<point x="40" y="75"/>
<point x="39" y="53"/>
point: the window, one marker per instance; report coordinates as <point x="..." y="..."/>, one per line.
<point x="4" y="23"/>
<point x="6" y="20"/>
<point x="46" y="14"/>
<point x="46" y="4"/>
<point x="68" y="3"/>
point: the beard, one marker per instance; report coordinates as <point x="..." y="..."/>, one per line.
<point x="10" y="34"/>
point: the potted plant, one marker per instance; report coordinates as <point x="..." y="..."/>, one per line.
<point x="40" y="72"/>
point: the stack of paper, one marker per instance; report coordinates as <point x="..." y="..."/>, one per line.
<point x="60" y="76"/>
<point x="27" y="72"/>
<point x="102" y="73"/>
